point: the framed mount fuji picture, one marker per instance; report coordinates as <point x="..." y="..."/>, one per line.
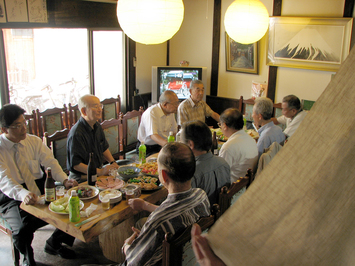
<point x="309" y="43"/>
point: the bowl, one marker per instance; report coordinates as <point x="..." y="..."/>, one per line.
<point x="127" y="172"/>
<point x="115" y="195"/>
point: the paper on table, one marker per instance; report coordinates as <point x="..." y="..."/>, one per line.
<point x="88" y="210"/>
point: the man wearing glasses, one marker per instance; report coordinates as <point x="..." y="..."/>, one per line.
<point x="22" y="179"/>
<point x="157" y="121"/>
<point x="87" y="136"/>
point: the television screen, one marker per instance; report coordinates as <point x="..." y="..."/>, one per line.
<point x="176" y="79"/>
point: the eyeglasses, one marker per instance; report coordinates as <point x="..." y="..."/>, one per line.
<point x="19" y="125"/>
<point x="96" y="106"/>
<point x="219" y="124"/>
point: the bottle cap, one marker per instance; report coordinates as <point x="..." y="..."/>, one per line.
<point x="171" y="133"/>
<point x="73" y="193"/>
<point x="142" y="142"/>
<point x="49" y="168"/>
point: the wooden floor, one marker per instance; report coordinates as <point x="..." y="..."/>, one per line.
<point x="87" y="253"/>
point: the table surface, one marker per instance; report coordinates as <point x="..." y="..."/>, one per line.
<point x="108" y="218"/>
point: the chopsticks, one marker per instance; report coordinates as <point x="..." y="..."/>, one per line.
<point x="87" y="220"/>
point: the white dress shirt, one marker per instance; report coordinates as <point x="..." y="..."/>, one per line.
<point x="36" y="153"/>
<point x="292" y="124"/>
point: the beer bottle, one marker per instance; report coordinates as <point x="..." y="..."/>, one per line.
<point x="49" y="187"/>
<point x="214" y="148"/>
<point x="142" y="153"/>
<point x="92" y="176"/>
<point x="74" y="207"/>
<point x="171" y="137"/>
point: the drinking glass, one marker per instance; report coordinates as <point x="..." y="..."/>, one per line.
<point x="60" y="191"/>
<point x="105" y="202"/>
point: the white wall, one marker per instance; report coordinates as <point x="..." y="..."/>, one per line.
<point x="193" y="42"/>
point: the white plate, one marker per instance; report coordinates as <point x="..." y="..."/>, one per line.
<point x="95" y="191"/>
<point x="81" y="207"/>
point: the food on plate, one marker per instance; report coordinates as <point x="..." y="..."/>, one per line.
<point x="219" y="134"/>
<point x="85" y="192"/>
<point x="109" y="182"/>
<point x="129" y="172"/>
<point x="150" y="168"/>
<point x="145" y="182"/>
<point x="60" y="205"/>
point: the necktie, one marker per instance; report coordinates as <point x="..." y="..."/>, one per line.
<point x="22" y="166"/>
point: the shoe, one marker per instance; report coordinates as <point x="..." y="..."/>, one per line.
<point x="27" y="263"/>
<point x="64" y="252"/>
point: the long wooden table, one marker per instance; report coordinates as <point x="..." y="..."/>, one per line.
<point x="112" y="226"/>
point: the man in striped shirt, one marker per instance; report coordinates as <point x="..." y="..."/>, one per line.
<point x="183" y="206"/>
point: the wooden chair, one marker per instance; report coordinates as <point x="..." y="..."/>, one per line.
<point x="174" y="246"/>
<point x="32" y="123"/>
<point x="227" y="193"/>
<point x="6" y="229"/>
<point x="73" y="114"/>
<point x="277" y="112"/>
<point x="113" y="132"/>
<point x="247" y="109"/>
<point x="131" y="121"/>
<point x="52" y="120"/>
<point x="111" y="108"/>
<point x="57" y="142"/>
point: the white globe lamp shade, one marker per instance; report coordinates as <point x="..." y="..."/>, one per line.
<point x="150" y="21"/>
<point x="246" y="21"/>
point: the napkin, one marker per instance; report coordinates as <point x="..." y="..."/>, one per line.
<point x="88" y="210"/>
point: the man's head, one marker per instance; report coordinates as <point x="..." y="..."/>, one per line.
<point x="197" y="90"/>
<point x="176" y="161"/>
<point x="90" y="108"/>
<point x="197" y="135"/>
<point x="13" y="122"/>
<point x="169" y="102"/>
<point x="262" y="110"/>
<point x="290" y="105"/>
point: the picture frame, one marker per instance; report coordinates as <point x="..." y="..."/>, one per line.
<point x="241" y="57"/>
<point x="308" y="43"/>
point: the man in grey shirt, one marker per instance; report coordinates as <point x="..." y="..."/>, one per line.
<point x="212" y="172"/>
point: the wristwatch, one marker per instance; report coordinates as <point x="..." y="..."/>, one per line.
<point x="112" y="162"/>
<point x="124" y="245"/>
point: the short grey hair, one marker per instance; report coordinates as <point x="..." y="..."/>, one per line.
<point x="263" y="106"/>
<point x="82" y="103"/>
<point x="195" y="82"/>
<point x="166" y="97"/>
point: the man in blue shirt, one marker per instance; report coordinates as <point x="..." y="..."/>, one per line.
<point x="268" y="131"/>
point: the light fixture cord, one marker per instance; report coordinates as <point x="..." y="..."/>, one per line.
<point x="206" y="9"/>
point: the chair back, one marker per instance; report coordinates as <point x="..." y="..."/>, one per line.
<point x="131" y="121"/>
<point x="57" y="142"/>
<point x="73" y="114"/>
<point x="227" y="193"/>
<point x="52" y="120"/>
<point x="111" y="108"/>
<point x="247" y="109"/>
<point x="175" y="246"/>
<point x="32" y="123"/>
<point x="113" y="132"/>
<point x="277" y="112"/>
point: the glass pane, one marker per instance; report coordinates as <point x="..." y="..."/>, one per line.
<point x="108" y="64"/>
<point x="46" y="67"/>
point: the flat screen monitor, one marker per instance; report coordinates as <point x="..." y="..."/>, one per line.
<point x="176" y="79"/>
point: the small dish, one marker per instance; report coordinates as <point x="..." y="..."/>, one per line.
<point x="115" y="195"/>
<point x="136" y="189"/>
<point x="127" y="172"/>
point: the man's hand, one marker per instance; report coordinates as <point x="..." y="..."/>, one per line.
<point x="106" y="170"/>
<point x="69" y="183"/>
<point x="141" y="205"/>
<point x="202" y="250"/>
<point x="30" y="199"/>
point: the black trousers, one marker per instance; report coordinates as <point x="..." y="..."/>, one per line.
<point x="24" y="225"/>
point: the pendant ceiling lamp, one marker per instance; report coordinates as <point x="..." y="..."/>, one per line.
<point x="150" y="21"/>
<point x="246" y="21"/>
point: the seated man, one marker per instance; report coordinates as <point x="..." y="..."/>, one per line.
<point x="292" y="114"/>
<point x="87" y="136"/>
<point x="194" y="108"/>
<point x="268" y="131"/>
<point x="240" y="150"/>
<point x="21" y="179"/>
<point x="183" y="206"/>
<point x="157" y="121"/>
<point x="212" y="172"/>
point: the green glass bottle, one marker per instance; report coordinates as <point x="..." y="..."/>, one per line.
<point x="171" y="137"/>
<point x="74" y="207"/>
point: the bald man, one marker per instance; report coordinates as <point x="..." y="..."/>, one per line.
<point x="157" y="121"/>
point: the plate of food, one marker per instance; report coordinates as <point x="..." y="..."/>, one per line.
<point x="150" y="169"/>
<point x="109" y="182"/>
<point x="147" y="183"/>
<point x="85" y="191"/>
<point x="61" y="206"/>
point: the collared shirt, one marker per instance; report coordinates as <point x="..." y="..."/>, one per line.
<point x="268" y="134"/>
<point x="211" y="174"/>
<point x="36" y="153"/>
<point x="154" y="121"/>
<point x="177" y="212"/>
<point x="189" y="111"/>
<point x="292" y="124"/>
<point x="82" y="139"/>
<point x="241" y="153"/>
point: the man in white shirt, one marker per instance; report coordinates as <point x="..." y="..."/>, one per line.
<point x="24" y="184"/>
<point x="157" y="121"/>
<point x="194" y="108"/>
<point x="240" y="150"/>
<point x="292" y="114"/>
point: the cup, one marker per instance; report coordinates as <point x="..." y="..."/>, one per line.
<point x="60" y="191"/>
<point x="129" y="194"/>
<point x="105" y="203"/>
